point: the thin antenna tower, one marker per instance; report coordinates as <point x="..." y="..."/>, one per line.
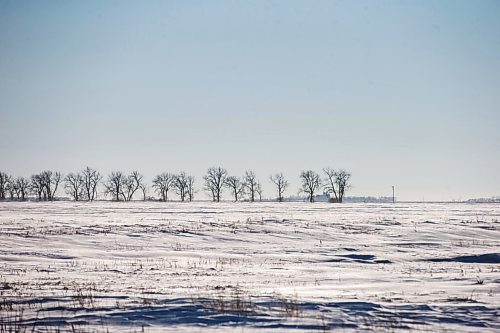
<point x="393" y="197"/>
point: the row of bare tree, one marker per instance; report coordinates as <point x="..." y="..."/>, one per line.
<point x="335" y="182"/>
<point x="17" y="187"/>
<point x="83" y="185"/>
<point x="44" y="185"/>
<point x="217" y="179"/>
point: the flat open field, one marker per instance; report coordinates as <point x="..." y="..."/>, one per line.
<point x="292" y="267"/>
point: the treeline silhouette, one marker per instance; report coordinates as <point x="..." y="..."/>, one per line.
<point x="83" y="185"/>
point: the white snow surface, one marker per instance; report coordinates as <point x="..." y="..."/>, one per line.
<point x="249" y="267"/>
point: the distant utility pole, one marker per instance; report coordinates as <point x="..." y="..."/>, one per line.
<point x="393" y="197"/>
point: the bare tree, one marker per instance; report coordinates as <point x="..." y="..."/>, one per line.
<point x="131" y="185"/>
<point x="190" y="188"/>
<point x="251" y="184"/>
<point x="11" y="187"/>
<point x="181" y="185"/>
<point x="259" y="190"/>
<point x="23" y="185"/>
<point x="56" y="178"/>
<point x="214" y="182"/>
<point x="337" y="182"/>
<point x="16" y="188"/>
<point x="74" y="184"/>
<point x="281" y="184"/>
<point x="162" y="184"/>
<point x="144" y="189"/>
<point x="91" y="179"/>
<point x="330" y="185"/>
<point x="37" y="186"/>
<point x="50" y="182"/>
<point x="114" y="185"/>
<point x="236" y="185"/>
<point x="45" y="178"/>
<point x="311" y="181"/>
<point x="4" y="180"/>
<point x="342" y="180"/>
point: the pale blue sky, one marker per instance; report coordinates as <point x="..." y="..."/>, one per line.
<point x="397" y="92"/>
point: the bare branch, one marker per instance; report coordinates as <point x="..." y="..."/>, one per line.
<point x="181" y="185"/>
<point x="342" y="178"/>
<point x="337" y="182"/>
<point x="91" y="179"/>
<point x="114" y="185"/>
<point x="144" y="189"/>
<point x="190" y="189"/>
<point x="131" y="185"/>
<point x="162" y="184"/>
<point x="46" y="184"/>
<point x="235" y="185"/>
<point x="74" y="184"/>
<point x="214" y="182"/>
<point x="281" y="184"/>
<point x="330" y="182"/>
<point x="3" y="184"/>
<point x="259" y="190"/>
<point x="23" y="185"/>
<point x="251" y="184"/>
<point x="311" y="181"/>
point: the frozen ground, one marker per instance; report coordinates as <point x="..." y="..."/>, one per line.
<point x="294" y="267"/>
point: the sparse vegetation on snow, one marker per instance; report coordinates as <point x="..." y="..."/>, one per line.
<point x="154" y="266"/>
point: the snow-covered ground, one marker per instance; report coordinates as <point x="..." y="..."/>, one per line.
<point x="200" y="267"/>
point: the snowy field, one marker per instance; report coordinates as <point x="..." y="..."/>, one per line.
<point x="262" y="267"/>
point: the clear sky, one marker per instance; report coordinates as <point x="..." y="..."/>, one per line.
<point x="403" y="93"/>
